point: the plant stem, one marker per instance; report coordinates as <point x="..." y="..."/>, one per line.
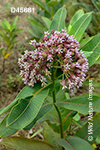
<point x="57" y="109"/>
<point x="3" y="66"/>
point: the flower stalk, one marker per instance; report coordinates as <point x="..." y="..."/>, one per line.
<point x="57" y="109"/>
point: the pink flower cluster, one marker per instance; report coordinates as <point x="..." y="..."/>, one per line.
<point x="56" y="47"/>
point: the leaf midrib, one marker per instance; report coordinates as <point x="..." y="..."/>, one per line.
<point x="81" y="25"/>
<point x="28" y="104"/>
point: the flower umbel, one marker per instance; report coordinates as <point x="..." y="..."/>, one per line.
<point x="60" y="48"/>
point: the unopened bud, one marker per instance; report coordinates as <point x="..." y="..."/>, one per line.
<point x="66" y="70"/>
<point x="72" y="53"/>
<point x="59" y="55"/>
<point x="65" y="50"/>
<point x="65" y="61"/>
<point x="39" y="62"/>
<point x="44" y="55"/>
<point x="81" y="61"/>
<point x="60" y="46"/>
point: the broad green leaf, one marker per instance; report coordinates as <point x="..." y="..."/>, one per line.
<point x="26" y="144"/>
<point x="26" y="110"/>
<point x="58" y="22"/>
<point x="87" y="54"/>
<point x="94" y="46"/>
<point x="74" y="143"/>
<point x="77" y="15"/>
<point x="39" y="20"/>
<point x="52" y="3"/>
<point x="25" y="92"/>
<point x="60" y="95"/>
<point x="42" y="5"/>
<point x="95" y="83"/>
<point x="51" y="115"/>
<point x="4" y="130"/>
<point x="47" y="21"/>
<point x="14" y="21"/>
<point x="81" y="104"/>
<point x="52" y="118"/>
<point x="35" y="33"/>
<point x="37" y="25"/>
<point x="95" y="4"/>
<point x="98" y="61"/>
<point x="7" y="24"/>
<point x="93" y="126"/>
<point x="50" y="136"/>
<point x="44" y="109"/>
<point x="84" y="41"/>
<point x="98" y="139"/>
<point x="80" y="26"/>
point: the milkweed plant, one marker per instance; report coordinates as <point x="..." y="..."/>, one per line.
<point x="57" y="65"/>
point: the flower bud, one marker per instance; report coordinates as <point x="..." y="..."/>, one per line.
<point x="72" y="53"/>
<point x="66" y="70"/>
<point x="65" y="61"/>
<point x="60" y="46"/>
<point x="81" y="61"/>
<point x="59" y="55"/>
<point x="65" y="50"/>
<point x="44" y="55"/>
<point x="39" y="62"/>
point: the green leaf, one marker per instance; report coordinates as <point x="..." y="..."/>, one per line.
<point x="81" y="104"/>
<point x="80" y="26"/>
<point x="74" y="143"/>
<point x="98" y="61"/>
<point x="52" y="3"/>
<point x="3" y="26"/>
<point x="94" y="46"/>
<point x="42" y="5"/>
<point x="98" y="139"/>
<point x="58" y="22"/>
<point x="50" y="136"/>
<point x="76" y="117"/>
<point x="60" y="95"/>
<point x="14" y="21"/>
<point x="44" y="109"/>
<point x="37" y="25"/>
<point x="37" y="132"/>
<point x="25" y="92"/>
<point x="35" y="33"/>
<point x="2" y="33"/>
<point x="77" y="15"/>
<point x="7" y="24"/>
<point x="94" y="127"/>
<point x="51" y="115"/>
<point x="26" y="110"/>
<point x="47" y="21"/>
<point x="84" y="41"/>
<point x="18" y="31"/>
<point x="26" y="144"/>
<point x="2" y="49"/>
<point x="87" y="54"/>
<point x="95" y="4"/>
<point x="4" y="130"/>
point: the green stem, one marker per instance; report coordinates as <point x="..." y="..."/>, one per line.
<point x="57" y="109"/>
<point x="3" y="65"/>
<point x="60" y="122"/>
